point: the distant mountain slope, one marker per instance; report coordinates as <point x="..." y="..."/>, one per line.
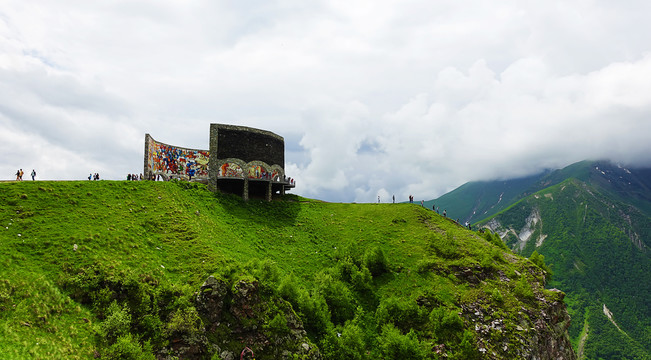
<point x="477" y="200"/>
<point x="599" y="251"/>
<point x="592" y="223"/>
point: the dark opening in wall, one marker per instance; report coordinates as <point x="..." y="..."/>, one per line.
<point x="258" y="189"/>
<point x="234" y="185"/>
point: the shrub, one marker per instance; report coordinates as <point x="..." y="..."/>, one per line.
<point x="494" y="239"/>
<point x="185" y="323"/>
<point x="289" y="290"/>
<point x="539" y="260"/>
<point x="351" y="343"/>
<point x="316" y="317"/>
<point x="446" y="324"/>
<point x="267" y="272"/>
<point x="358" y="276"/>
<point x="467" y="348"/>
<point x="278" y="325"/>
<point x="375" y="261"/>
<point x="116" y="324"/>
<point x="404" y="314"/>
<point x="523" y="289"/>
<point x="127" y="347"/>
<point x="339" y="298"/>
<point x="394" y="345"/>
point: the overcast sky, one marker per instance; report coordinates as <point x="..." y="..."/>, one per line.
<point x="372" y="97"/>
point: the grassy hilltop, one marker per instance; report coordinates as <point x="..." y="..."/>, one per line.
<point x="115" y="269"/>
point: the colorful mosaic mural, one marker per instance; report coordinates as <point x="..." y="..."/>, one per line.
<point x="231" y="170"/>
<point x="256" y="172"/>
<point x="172" y="161"/>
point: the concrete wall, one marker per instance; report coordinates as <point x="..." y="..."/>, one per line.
<point x="246" y="153"/>
<point x="248" y="144"/>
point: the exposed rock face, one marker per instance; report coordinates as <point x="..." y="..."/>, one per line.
<point x="539" y="333"/>
<point x="210" y="299"/>
<point x="551" y="340"/>
<point x="238" y="316"/>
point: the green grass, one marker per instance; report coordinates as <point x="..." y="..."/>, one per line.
<point x="70" y="249"/>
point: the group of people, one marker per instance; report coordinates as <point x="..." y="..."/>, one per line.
<point x="20" y="173"/>
<point x="134" y="177"/>
<point x="94" y="176"/>
<point x="289" y="180"/>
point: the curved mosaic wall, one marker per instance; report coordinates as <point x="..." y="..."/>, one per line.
<point x="173" y="162"/>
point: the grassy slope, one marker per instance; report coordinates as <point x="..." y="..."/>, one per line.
<point x="589" y="250"/>
<point x="181" y="234"/>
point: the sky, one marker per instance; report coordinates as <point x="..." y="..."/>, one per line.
<point x="373" y="98"/>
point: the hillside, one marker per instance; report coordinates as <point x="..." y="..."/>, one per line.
<point x="164" y="270"/>
<point x="591" y="223"/>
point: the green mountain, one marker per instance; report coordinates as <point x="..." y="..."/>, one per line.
<point x="477" y="200"/>
<point x="166" y="270"/>
<point x="591" y="223"/>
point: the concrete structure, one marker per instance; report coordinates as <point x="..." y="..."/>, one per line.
<point x="241" y="160"/>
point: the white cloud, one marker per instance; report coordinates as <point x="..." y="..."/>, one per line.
<point x="372" y="97"/>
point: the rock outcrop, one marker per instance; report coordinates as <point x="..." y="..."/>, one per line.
<point x="241" y="320"/>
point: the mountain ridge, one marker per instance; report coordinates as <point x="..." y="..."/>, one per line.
<point x="591" y="223"/>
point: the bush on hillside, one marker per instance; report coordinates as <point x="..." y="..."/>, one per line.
<point x="116" y="324"/>
<point x="539" y="260"/>
<point x="339" y="298"/>
<point x="376" y="262"/>
<point x="315" y="311"/>
<point x="184" y="323"/>
<point x="358" y="276"/>
<point x="403" y="313"/>
<point x="351" y="344"/>
<point x="494" y="239"/>
<point x="395" y="345"/>
<point x="446" y="324"/>
<point x="127" y="347"/>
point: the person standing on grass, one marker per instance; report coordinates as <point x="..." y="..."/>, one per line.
<point x="33" y="174"/>
<point x="21" y="174"/>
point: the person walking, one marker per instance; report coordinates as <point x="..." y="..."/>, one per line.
<point x="21" y="174"/>
<point x="33" y="174"/>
